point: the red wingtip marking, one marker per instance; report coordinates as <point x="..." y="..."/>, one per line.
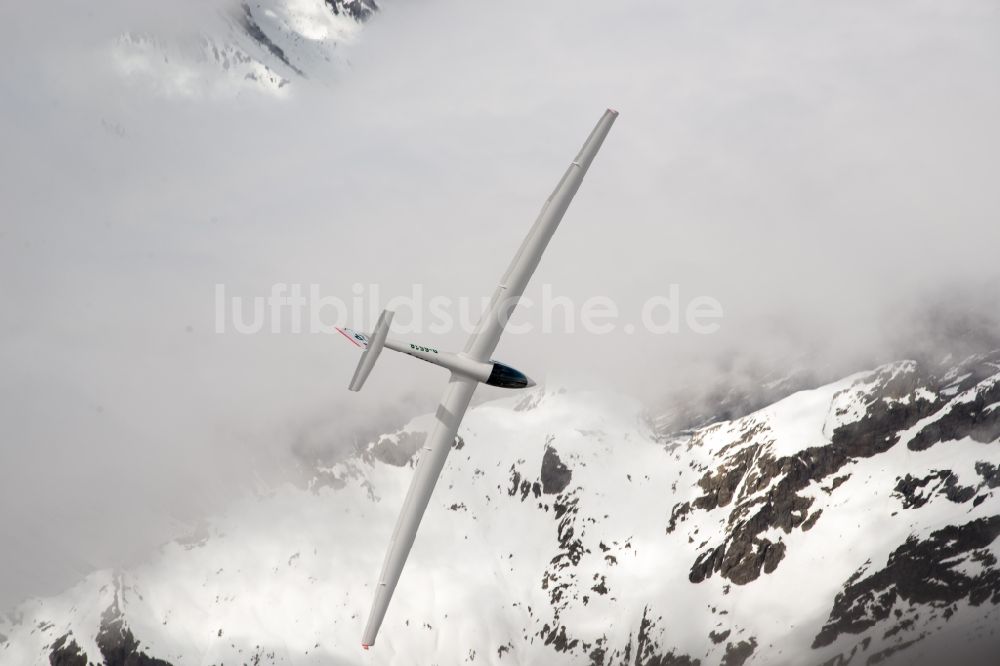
<point x="344" y="333"/>
<point x="365" y="646"/>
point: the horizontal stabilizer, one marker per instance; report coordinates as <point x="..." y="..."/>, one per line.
<point x="356" y="337"/>
<point x="372" y="346"/>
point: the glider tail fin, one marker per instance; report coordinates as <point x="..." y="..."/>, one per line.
<point x="373" y="347"/>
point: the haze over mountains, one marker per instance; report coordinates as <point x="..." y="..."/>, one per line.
<point x="857" y="522"/>
<point x="825" y="172"/>
<point x="229" y="48"/>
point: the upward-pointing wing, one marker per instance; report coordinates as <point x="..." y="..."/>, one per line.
<point x="449" y="414"/>
<point x="484" y="341"/>
<point x="460" y="389"/>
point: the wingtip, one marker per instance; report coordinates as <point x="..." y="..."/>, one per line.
<point x="613" y="112"/>
<point x="365" y="646"/>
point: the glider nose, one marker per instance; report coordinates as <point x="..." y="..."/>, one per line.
<point x="531" y="382"/>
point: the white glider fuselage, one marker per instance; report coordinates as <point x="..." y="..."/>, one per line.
<point x="492" y="373"/>
<point x="468" y="368"/>
<point x="455" y="362"/>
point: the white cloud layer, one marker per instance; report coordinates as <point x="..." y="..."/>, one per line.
<point x="819" y="168"/>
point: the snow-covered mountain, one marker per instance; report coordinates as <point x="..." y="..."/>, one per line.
<point x="853" y="523"/>
<point x="260" y="45"/>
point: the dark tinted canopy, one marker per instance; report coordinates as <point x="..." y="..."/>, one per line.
<point x="507" y="377"/>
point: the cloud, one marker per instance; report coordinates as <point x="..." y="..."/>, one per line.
<point x="818" y="169"/>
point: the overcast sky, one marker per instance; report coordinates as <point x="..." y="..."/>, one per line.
<point x="820" y="169"/>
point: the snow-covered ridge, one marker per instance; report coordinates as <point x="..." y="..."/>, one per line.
<point x="260" y="45"/>
<point x="842" y="523"/>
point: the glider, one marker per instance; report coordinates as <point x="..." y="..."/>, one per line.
<point x="468" y="369"/>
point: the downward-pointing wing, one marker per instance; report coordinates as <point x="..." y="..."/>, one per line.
<point x="449" y="414"/>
